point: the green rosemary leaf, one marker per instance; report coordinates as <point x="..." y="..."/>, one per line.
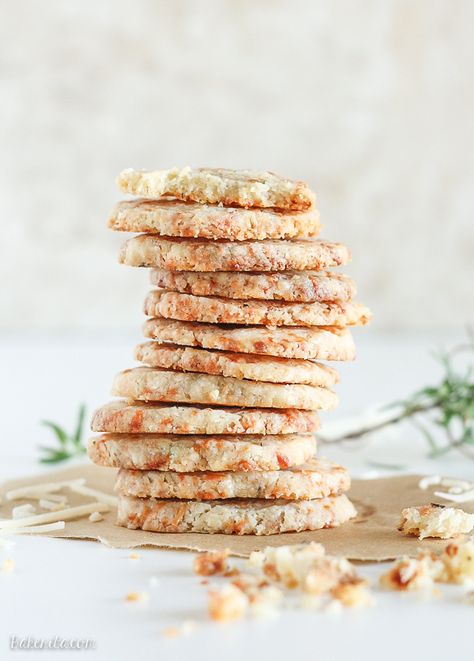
<point x="447" y="405"/>
<point x="77" y="438"/>
<point x="61" y="435"/>
<point x="55" y="457"/>
<point x="69" y="445"/>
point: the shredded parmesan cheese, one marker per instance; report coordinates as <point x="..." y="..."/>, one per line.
<point x="95" y="517"/>
<point x="52" y="517"/>
<point x="51" y="505"/>
<point x="22" y="510"/>
<point x="458" y="491"/>
<point x="37" y="491"/>
<point x="463" y="497"/>
<point x="47" y="527"/>
<point x="94" y="493"/>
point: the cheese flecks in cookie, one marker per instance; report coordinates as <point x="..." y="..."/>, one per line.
<point x="175" y="254"/>
<point x="190" y="220"/>
<point x="168" y="452"/>
<point x="290" y="286"/>
<point x="239" y="517"/>
<point x="310" y="343"/>
<point x="127" y="417"/>
<point x="315" y="479"/>
<point x="243" y="188"/>
<point x="236" y="365"/>
<point x="211" y="309"/>
<point x="153" y="384"/>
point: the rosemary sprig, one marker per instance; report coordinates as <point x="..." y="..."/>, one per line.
<point x="448" y="405"/>
<point x="68" y="445"/>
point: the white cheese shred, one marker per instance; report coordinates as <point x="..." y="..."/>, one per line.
<point x="457" y="491"/>
<point x="94" y="493"/>
<point x="23" y="510"/>
<point x="52" y="505"/>
<point x="37" y="491"/>
<point x="47" y="527"/>
<point x="53" y="517"/>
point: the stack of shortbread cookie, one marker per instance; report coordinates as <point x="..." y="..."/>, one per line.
<point x="214" y="433"/>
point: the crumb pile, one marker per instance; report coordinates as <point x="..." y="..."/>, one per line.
<point x="214" y="431"/>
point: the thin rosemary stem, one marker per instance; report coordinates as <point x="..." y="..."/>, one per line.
<point x="408" y="412"/>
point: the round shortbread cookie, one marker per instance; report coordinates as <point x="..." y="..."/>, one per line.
<point x="174" y="218"/>
<point x="234" y="517"/>
<point x="287" y="342"/>
<point x="241" y="188"/>
<point x="316" y="479"/>
<point x="213" y="310"/>
<point x="236" y="365"/>
<point x="156" y="385"/>
<point x="176" y="254"/>
<point x="290" y="286"/>
<point x="123" y="417"/>
<point x="187" y="454"/>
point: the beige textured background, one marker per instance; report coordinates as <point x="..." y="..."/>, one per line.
<point x="371" y="102"/>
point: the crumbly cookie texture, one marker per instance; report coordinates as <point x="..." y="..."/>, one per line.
<point x="303" y="566"/>
<point x="240" y="517"/>
<point x="188" y="220"/>
<point x="176" y="254"/>
<point x="211" y="563"/>
<point x="125" y="417"/>
<point x="211" y="309"/>
<point x="290" y="286"/>
<point x="458" y="562"/>
<point x="150" y="384"/>
<point x="315" y="479"/>
<point x="455" y="564"/>
<point x="328" y="343"/>
<point x="412" y="573"/>
<point x="323" y="581"/>
<point x="435" y="521"/>
<point x="236" y="365"/>
<point x="241" y="188"/>
<point x="201" y="453"/>
<point x="227" y="604"/>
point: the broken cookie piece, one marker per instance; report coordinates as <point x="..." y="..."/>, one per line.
<point x="412" y="573"/>
<point x="305" y="567"/>
<point x="435" y="521"/>
<point x="211" y="563"/>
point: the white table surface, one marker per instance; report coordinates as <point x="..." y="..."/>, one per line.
<point x="76" y="589"/>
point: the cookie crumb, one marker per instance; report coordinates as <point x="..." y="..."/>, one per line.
<point x="411" y="573"/>
<point x="458" y="562"/>
<point x="353" y="593"/>
<point x="212" y="563"/>
<point x="8" y="566"/>
<point x="137" y="596"/>
<point x="227" y="604"/>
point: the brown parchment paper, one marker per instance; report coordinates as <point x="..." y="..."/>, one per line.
<point x="372" y="535"/>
